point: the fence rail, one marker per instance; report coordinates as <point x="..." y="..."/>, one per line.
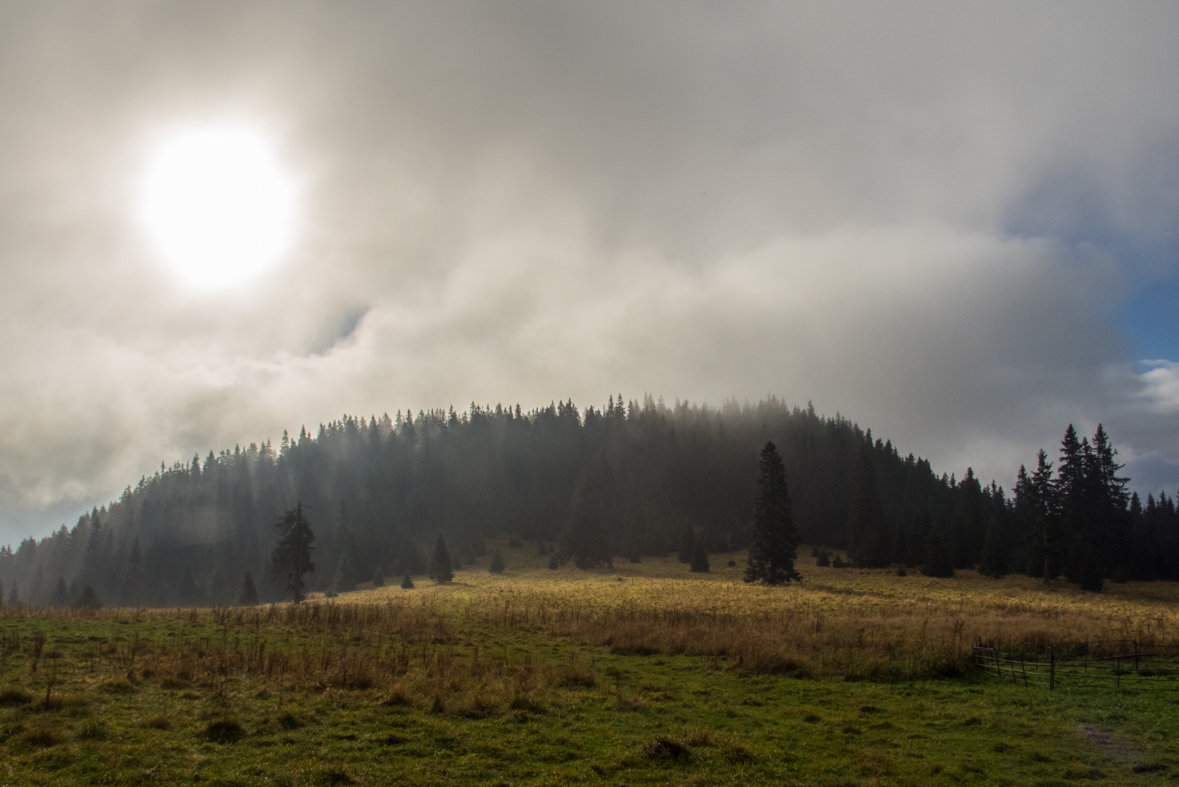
<point x="1119" y="664"/>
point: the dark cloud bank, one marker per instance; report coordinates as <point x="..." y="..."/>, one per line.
<point x="914" y="214"/>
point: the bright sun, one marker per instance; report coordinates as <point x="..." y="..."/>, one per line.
<point x="218" y="205"/>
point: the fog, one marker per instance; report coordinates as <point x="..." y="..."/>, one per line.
<point x="922" y="216"/>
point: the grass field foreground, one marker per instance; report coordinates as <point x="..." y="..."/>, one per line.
<point x="640" y="674"/>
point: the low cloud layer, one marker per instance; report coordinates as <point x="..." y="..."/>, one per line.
<point x="922" y="217"/>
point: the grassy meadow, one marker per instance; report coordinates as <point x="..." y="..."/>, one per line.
<point x="640" y="674"/>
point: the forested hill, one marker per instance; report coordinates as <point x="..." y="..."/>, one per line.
<point x="378" y="491"/>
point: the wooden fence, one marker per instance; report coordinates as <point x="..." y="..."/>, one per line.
<point x="1108" y="664"/>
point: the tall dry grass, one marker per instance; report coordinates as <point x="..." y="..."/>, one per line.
<point x="444" y="643"/>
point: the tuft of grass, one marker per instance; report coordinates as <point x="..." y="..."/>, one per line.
<point x="10" y="697"/>
<point x="42" y="735"/>
<point x="224" y="731"/>
<point x="117" y="686"/>
<point x="666" y="749"/>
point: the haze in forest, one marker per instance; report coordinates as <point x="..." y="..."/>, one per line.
<point x="954" y="225"/>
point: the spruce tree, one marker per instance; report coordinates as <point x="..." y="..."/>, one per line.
<point x="938" y="560"/>
<point x="14" y="595"/>
<point x="441" y="569"/>
<point x="407" y="582"/>
<point x="772" y="540"/>
<point x="994" y="559"/>
<point x="699" y="563"/>
<point x="61" y="594"/>
<point x="186" y="594"/>
<point x="870" y="543"/>
<point x="88" y="599"/>
<point x="379" y="578"/>
<point x="497" y="563"/>
<point x="585" y="540"/>
<point x="342" y="579"/>
<point x="248" y="595"/>
<point x="292" y="553"/>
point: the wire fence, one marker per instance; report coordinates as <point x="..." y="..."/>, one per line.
<point x="1105" y="664"/>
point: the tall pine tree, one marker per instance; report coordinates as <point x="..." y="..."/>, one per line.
<point x="773" y="542"/>
<point x="292" y="553"/>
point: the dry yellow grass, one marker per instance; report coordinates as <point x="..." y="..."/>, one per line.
<point x="849" y="622"/>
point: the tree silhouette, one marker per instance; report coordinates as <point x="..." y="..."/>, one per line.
<point x="699" y="562"/>
<point x="441" y="569"/>
<point x="497" y="563"/>
<point x="773" y="542"/>
<point x="292" y="553"/>
<point x="248" y="595"/>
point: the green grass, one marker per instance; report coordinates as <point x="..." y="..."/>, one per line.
<point x="449" y="688"/>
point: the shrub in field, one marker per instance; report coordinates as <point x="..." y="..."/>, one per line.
<point x="823" y="558"/>
<point x="497" y="563"/>
<point x="407" y="582"/>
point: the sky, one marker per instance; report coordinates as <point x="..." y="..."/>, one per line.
<point x="957" y="224"/>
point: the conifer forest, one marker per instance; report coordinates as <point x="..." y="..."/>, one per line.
<point x="622" y="482"/>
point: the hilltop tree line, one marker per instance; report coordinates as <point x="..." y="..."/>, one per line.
<point x="630" y="480"/>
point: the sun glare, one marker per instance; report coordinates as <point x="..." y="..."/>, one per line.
<point x="218" y="205"/>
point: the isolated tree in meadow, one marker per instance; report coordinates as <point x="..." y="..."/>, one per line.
<point x="248" y="595"/>
<point x="292" y="553"/>
<point x="773" y="542"/>
<point x="61" y="594"/>
<point x="14" y="595"/>
<point x="497" y="563"/>
<point x="994" y="561"/>
<point x="585" y="540"/>
<point x="407" y="582"/>
<point x="939" y="562"/>
<point x="88" y="599"/>
<point x="342" y="579"/>
<point x="379" y="578"/>
<point x="441" y="568"/>
<point x="187" y="593"/>
<point x="699" y="563"/>
<point x="870" y="544"/>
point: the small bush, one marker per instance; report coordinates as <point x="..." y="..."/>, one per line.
<point x="407" y="582"/>
<point x="666" y="749"/>
<point x="224" y="731"/>
<point x="15" y="697"/>
<point x="93" y="731"/>
<point x="514" y="543"/>
<point x="42" y="735"/>
<point x="288" y="722"/>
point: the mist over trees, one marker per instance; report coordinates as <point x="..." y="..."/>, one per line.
<point x="628" y="480"/>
